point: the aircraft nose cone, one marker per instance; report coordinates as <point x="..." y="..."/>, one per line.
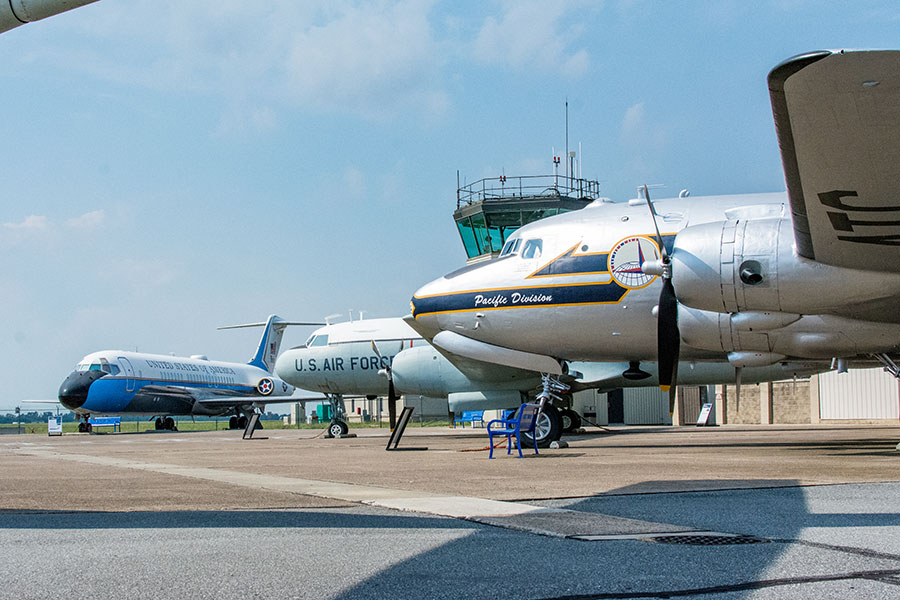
<point x="73" y="392"/>
<point x="282" y="366"/>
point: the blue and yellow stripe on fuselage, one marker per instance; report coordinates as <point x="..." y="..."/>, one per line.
<point x="570" y="264"/>
<point x="563" y="294"/>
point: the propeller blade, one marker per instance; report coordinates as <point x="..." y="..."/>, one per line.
<point x="392" y="404"/>
<point x="662" y="249"/>
<point x="387" y="368"/>
<point x="392" y="393"/>
<point x="668" y="338"/>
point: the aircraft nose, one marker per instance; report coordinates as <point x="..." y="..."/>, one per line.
<point x="73" y="392"/>
<point x="284" y="365"/>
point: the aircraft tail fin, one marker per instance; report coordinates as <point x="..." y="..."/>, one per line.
<point x="270" y="342"/>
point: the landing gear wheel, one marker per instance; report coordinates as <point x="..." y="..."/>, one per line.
<point x="242" y="422"/>
<point x="169" y="424"/>
<point x="83" y="427"/>
<point x="158" y="424"/>
<point x="571" y="420"/>
<point x="337" y="429"/>
<point x="548" y="428"/>
<point x="233" y="423"/>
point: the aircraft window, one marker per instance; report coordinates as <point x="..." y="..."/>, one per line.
<point x="114" y="369"/>
<point x="95" y="367"/>
<point x="532" y="249"/>
<point x="82" y="367"/>
<point x="511" y="247"/>
<point x="319" y="340"/>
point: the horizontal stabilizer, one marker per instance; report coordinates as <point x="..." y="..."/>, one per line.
<point x="270" y="342"/>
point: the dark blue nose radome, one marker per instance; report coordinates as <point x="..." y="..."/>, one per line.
<point x="73" y="392"/>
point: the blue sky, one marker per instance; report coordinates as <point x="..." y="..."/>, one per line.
<point x="167" y="168"/>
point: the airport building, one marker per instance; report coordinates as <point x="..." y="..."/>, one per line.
<point x="857" y="396"/>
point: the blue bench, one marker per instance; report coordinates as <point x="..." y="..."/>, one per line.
<point x="114" y="422"/>
<point x="523" y="421"/>
<point x="469" y="416"/>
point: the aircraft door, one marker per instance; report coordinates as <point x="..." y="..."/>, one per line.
<point x="129" y="373"/>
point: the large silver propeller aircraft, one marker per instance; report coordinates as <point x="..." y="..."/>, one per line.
<point x="758" y="279"/>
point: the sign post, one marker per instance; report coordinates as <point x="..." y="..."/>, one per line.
<point x="704" y="415"/>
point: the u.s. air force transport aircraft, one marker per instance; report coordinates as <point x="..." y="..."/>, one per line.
<point x="115" y="382"/>
<point x="378" y="357"/>
<point x="813" y="274"/>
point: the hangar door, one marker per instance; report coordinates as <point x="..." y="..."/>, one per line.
<point x="859" y="394"/>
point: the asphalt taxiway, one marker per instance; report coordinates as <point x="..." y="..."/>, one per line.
<point x="726" y="512"/>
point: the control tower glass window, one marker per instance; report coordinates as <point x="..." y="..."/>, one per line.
<point x="481" y="233"/>
<point x="468" y="237"/>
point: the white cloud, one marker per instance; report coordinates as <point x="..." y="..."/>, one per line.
<point x="532" y="35"/>
<point x="33" y="227"/>
<point x="373" y="58"/>
<point x="633" y="123"/>
<point x="31" y="223"/>
<point x="88" y="221"/>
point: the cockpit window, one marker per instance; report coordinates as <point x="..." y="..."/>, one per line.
<point x="511" y="247"/>
<point x="103" y="365"/>
<point x="532" y="249"/>
<point x="318" y="340"/>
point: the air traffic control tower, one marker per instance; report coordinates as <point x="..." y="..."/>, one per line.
<point x="488" y="210"/>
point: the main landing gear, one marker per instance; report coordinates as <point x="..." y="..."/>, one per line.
<point x="165" y="424"/>
<point x="240" y="422"/>
<point x="550" y="420"/>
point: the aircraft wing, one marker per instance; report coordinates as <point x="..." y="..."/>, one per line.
<point x="837" y="115"/>
<point x="209" y="397"/>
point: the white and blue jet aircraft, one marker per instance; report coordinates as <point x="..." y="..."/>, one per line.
<point x="758" y="280"/>
<point x="117" y="382"/>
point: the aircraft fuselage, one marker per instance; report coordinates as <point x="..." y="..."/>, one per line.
<point x="120" y="382"/>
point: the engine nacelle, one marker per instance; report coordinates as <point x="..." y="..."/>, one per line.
<point x="779" y="335"/>
<point x="749" y="265"/>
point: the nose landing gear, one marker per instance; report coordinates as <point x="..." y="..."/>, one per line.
<point x="85" y="425"/>
<point x="338" y="426"/>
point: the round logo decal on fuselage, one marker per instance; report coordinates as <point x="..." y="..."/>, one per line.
<point x="626" y="258"/>
<point x="265" y="386"/>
